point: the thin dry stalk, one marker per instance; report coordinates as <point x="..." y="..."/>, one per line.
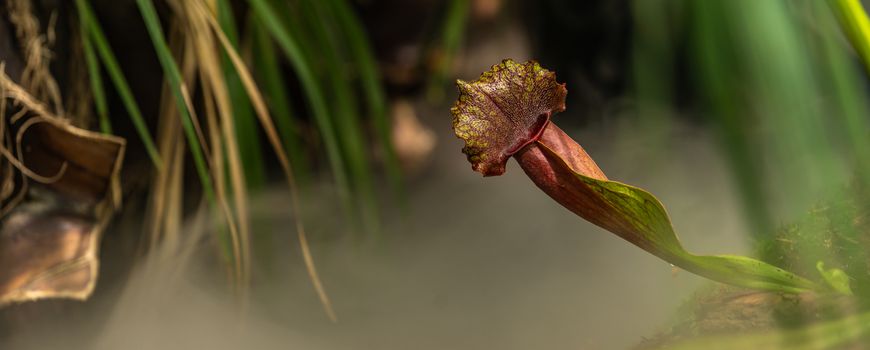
<point x="7" y="173"/>
<point x="36" y="76"/>
<point x="167" y="186"/>
<point x="168" y="141"/>
<point x="208" y="54"/>
<point x="218" y="176"/>
<point x="215" y="94"/>
<point x="20" y="97"/>
<point x="266" y="121"/>
<point x="18" y="161"/>
<point x="79" y="97"/>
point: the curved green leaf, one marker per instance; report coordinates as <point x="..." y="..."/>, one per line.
<point x="101" y="46"/>
<point x="639" y="217"/>
<point x="836" y="278"/>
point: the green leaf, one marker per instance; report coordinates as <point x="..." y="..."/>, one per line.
<point x="364" y="60"/>
<point x="243" y="115"/>
<point x="310" y="85"/>
<point x="837" y="279"/>
<point x="452" y="33"/>
<point x="344" y="111"/>
<point x="96" y="80"/>
<point x="638" y="217"/>
<point x="114" y="71"/>
<point x="274" y="87"/>
<point x="854" y="21"/>
<point x="176" y="84"/>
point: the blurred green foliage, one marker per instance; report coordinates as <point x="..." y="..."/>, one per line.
<point x="784" y="92"/>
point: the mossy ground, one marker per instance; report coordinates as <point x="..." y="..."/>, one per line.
<point x="836" y="232"/>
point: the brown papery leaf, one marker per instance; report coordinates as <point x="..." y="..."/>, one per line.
<point x="66" y="190"/>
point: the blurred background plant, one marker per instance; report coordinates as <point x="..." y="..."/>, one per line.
<point x="242" y="83"/>
<point x="322" y="100"/>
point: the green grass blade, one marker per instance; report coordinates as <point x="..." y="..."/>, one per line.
<point x="275" y="89"/>
<point x="715" y="77"/>
<point x="245" y="123"/>
<point x="344" y="110"/>
<point x="117" y="76"/>
<point x="97" y="90"/>
<point x="268" y="125"/>
<point x="364" y="58"/>
<point x="855" y="23"/>
<point x="152" y="23"/>
<point x="653" y="50"/>
<point x="182" y="102"/>
<point x="295" y="20"/>
<point x="264" y="12"/>
<point x="451" y="38"/>
<point x="848" y="87"/>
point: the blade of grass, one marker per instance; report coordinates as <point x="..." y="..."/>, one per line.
<point x="184" y="105"/>
<point x="855" y="23"/>
<point x="311" y="87"/>
<point x="152" y="23"/>
<point x="344" y="111"/>
<point x="117" y="76"/>
<point x="713" y="60"/>
<point x="95" y="78"/>
<point x="231" y="247"/>
<point x="212" y="73"/>
<point x="162" y="195"/>
<point x="780" y="66"/>
<point x="163" y="221"/>
<point x="364" y="59"/>
<point x="275" y="88"/>
<point x="849" y="90"/>
<point x="272" y="135"/>
<point x="236" y="232"/>
<point x="226" y="234"/>
<point x="451" y="39"/>
<point x="652" y="58"/>
<point x="245" y="125"/>
<point x="295" y="20"/>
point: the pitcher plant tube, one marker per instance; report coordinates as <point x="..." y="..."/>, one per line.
<point x="507" y="113"/>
